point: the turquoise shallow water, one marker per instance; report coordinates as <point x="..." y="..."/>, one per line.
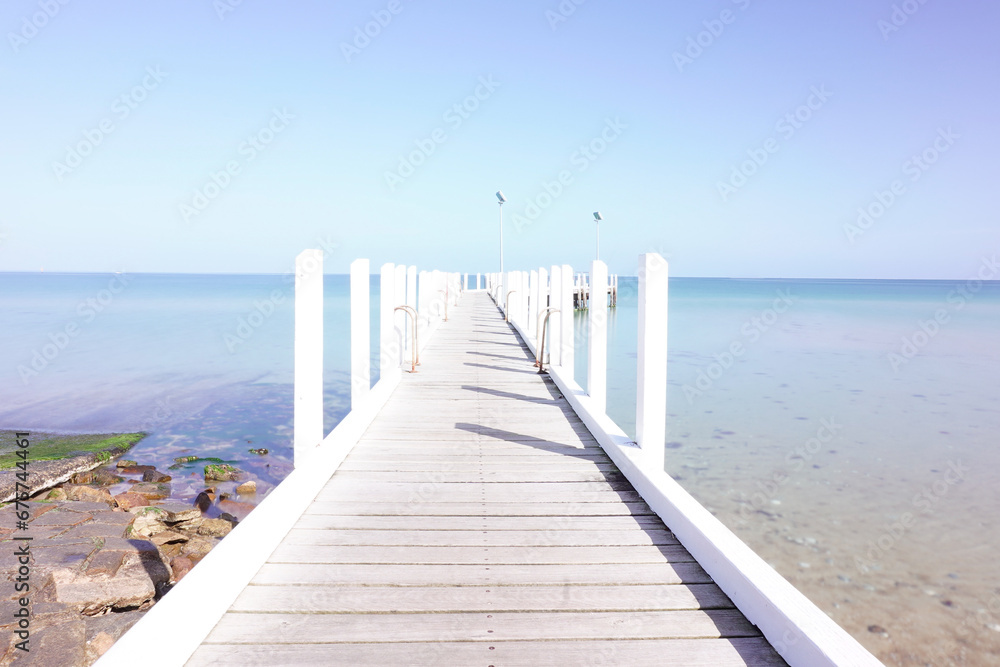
<point x="202" y="363"/>
<point x="852" y="443"/>
<point x="871" y="481"/>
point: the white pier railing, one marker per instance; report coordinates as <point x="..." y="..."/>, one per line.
<point x="798" y="630"/>
<point x="200" y="599"/>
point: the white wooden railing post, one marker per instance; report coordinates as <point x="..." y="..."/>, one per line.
<point x="388" y="348"/>
<point x="532" y="305"/>
<point x="541" y="296"/>
<point x="399" y="317"/>
<point x="511" y="288"/>
<point x="597" y="349"/>
<point x="567" y="328"/>
<point x="515" y="302"/>
<point x="651" y="369"/>
<point x="307" y="418"/>
<point x="423" y="304"/>
<point x="555" y="322"/>
<point x="522" y="298"/>
<point x="411" y="301"/>
<point x="526" y="286"/>
<point x="361" y="374"/>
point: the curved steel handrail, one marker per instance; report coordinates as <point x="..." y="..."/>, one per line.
<point x="543" y="320"/>
<point x="506" y="309"/>
<point x="445" y="292"/>
<point x="415" y="352"/>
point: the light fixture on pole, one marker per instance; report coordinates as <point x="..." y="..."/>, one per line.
<point x="597" y="220"/>
<point x="502" y="199"/>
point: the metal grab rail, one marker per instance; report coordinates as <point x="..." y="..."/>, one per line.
<point x="415" y="352"/>
<point x="506" y="306"/>
<point x="445" y="292"/>
<point x="543" y="320"/>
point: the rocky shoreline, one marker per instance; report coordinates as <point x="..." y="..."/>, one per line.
<point x="46" y="474"/>
<point x="100" y="560"/>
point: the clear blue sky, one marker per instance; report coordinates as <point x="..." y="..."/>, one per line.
<point x="679" y="128"/>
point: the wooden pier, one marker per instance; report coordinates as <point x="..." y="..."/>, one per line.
<point x="478" y="522"/>
<point x="582" y="291"/>
<point x="478" y="512"/>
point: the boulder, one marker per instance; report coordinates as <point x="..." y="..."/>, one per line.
<point x="87" y="494"/>
<point x="191" y="525"/>
<point x="155" y="476"/>
<point x="215" y="527"/>
<point x="237" y="509"/>
<point x="105" y="562"/>
<point x="100" y="477"/>
<point x="152" y="490"/>
<point x="124" y="463"/>
<point x="104" y="477"/>
<point x="134" y="585"/>
<point x="135" y="470"/>
<point x="177" y="512"/>
<point x="148" y="522"/>
<point x="222" y="472"/>
<point x="56" y="494"/>
<point x="260" y="451"/>
<point x="168" y="537"/>
<point x="205" y="499"/>
<point x="197" y="547"/>
<point x="130" y="499"/>
<point x="248" y="488"/>
<point x="179" y="566"/>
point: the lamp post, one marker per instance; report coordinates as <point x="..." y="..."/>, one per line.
<point x="597" y="221"/>
<point x="501" y="199"/>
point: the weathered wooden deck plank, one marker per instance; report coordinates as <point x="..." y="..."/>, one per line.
<point x="478" y="522"/>
<point x="466" y="555"/>
<point x="496" y="476"/>
<point x="479" y="509"/>
<point x="736" y="652"/>
<point x="553" y="536"/>
<point x="482" y="575"/>
<point x="387" y="599"/>
<point x="249" y="627"/>
<point x="490" y="523"/>
<point x="527" y="470"/>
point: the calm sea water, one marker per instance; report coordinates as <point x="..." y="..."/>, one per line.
<point x="847" y="430"/>
<point x="203" y="363"/>
<point x="851" y="440"/>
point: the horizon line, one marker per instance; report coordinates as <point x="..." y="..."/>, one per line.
<point x="287" y="273"/>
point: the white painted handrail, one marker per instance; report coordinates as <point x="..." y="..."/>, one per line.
<point x="199" y="600"/>
<point x="797" y="629"/>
